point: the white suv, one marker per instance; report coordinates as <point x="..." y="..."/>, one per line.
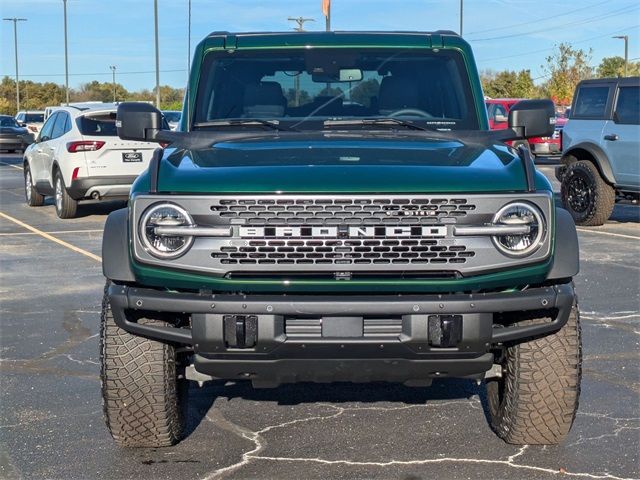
<point x="601" y="149"/>
<point x="77" y="156"/>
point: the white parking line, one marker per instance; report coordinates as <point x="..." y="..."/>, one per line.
<point x="52" y="238"/>
<point x="14" y="234"/>
<point x="12" y="165"/>
<point x="608" y="233"/>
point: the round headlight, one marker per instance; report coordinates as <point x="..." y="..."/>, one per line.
<point x="524" y="215"/>
<point x="163" y="245"/>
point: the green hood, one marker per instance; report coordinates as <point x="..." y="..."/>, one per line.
<point x="343" y="163"/>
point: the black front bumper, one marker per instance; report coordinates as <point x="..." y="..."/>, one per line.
<point x="279" y="357"/>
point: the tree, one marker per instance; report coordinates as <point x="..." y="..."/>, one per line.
<point x="566" y="67"/>
<point x="508" y="84"/>
<point x="614" y="67"/>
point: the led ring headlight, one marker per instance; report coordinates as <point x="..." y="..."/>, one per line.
<point x="519" y="214"/>
<point x="165" y="215"/>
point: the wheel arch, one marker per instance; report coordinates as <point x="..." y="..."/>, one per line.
<point x="593" y="153"/>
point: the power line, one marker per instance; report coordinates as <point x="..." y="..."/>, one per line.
<point x="99" y="73"/>
<point x="549" y="49"/>
<point x="508" y="27"/>
<point x="615" y="13"/>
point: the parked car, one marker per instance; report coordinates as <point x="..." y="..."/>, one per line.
<point x="12" y="136"/>
<point x="32" y="120"/>
<point x="389" y="239"/>
<point x="172" y="117"/>
<point x="78" y="156"/>
<point x="601" y="149"/>
<point x="498" y="111"/>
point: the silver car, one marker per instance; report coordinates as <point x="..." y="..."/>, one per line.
<point x="601" y="149"/>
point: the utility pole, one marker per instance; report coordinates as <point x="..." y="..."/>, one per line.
<point x="626" y="50"/>
<point x="15" y="46"/>
<point x="66" y="54"/>
<point x="461" y="15"/>
<point x="155" y="15"/>
<point x="300" y="21"/>
<point x="113" y="71"/>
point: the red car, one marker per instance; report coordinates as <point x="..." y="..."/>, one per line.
<point x="498" y="110"/>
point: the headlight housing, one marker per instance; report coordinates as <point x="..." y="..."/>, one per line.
<point x="162" y="245"/>
<point x="519" y="214"/>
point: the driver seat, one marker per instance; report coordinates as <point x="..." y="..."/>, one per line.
<point x="397" y="93"/>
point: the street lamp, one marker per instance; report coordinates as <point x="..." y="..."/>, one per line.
<point x="461" y="11"/>
<point x="155" y="15"/>
<point x="626" y="50"/>
<point x="300" y="21"/>
<point x="15" y="45"/>
<point x="113" y="71"/>
<point x="66" y="54"/>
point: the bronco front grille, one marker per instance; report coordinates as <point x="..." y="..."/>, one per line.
<point x="343" y="252"/>
<point x="341" y="211"/>
<point x="340" y="235"/>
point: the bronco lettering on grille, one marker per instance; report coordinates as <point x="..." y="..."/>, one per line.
<point x="337" y="232"/>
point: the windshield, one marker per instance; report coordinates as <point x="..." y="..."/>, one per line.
<point x="302" y="87"/>
<point x="8" y="122"/>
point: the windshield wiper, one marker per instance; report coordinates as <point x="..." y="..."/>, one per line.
<point x="234" y="122"/>
<point x="376" y="121"/>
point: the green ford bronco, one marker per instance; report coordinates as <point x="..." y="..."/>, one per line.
<point x="334" y="207"/>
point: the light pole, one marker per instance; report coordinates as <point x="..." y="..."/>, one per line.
<point x="155" y="15"/>
<point x="461" y="14"/>
<point x="66" y="54"/>
<point x="15" y="46"/>
<point x="113" y="71"/>
<point x="300" y="21"/>
<point x="626" y="50"/>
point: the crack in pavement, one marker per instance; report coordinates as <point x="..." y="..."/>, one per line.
<point x="259" y="444"/>
<point x="620" y="425"/>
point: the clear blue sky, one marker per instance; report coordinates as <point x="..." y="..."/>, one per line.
<point x="513" y="34"/>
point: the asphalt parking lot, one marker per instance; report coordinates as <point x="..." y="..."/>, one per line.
<point x="51" y="413"/>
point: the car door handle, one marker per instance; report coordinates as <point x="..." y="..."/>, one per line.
<point x="612" y="137"/>
<point x="39" y="150"/>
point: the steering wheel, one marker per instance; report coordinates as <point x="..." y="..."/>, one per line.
<point x="416" y="112"/>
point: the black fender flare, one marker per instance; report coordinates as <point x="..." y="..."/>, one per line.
<point x="115" y="247"/>
<point x="599" y="156"/>
<point x="566" y="258"/>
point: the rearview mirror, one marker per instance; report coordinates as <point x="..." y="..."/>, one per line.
<point x="341" y="75"/>
<point x="533" y="118"/>
<point x="138" y="121"/>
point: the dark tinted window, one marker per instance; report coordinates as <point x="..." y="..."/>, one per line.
<point x="628" y="105"/>
<point x="45" y="133"/>
<point x="34" y="118"/>
<point x="591" y="102"/>
<point x="98" y="125"/>
<point x="172" y="116"/>
<point x="429" y="88"/>
<point x="58" y="128"/>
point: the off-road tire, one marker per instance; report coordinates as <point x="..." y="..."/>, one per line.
<point x="600" y="197"/>
<point x="144" y="401"/>
<point x="31" y="195"/>
<point x="66" y="207"/>
<point x="536" y="400"/>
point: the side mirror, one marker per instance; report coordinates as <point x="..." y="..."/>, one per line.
<point x="138" y="121"/>
<point x="533" y="118"/>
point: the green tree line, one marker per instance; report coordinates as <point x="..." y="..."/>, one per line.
<point x="37" y="95"/>
<point x="563" y="69"/>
